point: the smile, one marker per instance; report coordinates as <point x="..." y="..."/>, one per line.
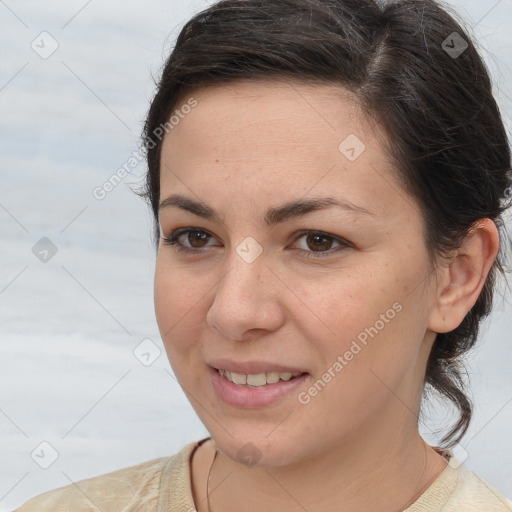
<point x="256" y="390"/>
<point x="258" y="379"/>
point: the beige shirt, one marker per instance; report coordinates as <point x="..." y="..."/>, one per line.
<point x="164" y="485"/>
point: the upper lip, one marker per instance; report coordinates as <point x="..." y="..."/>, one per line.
<point x="253" y="367"/>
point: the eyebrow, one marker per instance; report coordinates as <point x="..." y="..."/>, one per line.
<point x="273" y="216"/>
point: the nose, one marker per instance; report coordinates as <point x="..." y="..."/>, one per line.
<point x="246" y="301"/>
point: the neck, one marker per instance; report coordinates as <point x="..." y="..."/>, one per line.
<point x="385" y="476"/>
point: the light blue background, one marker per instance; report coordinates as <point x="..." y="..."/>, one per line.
<point x="68" y="327"/>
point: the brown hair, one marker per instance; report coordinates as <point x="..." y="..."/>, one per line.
<point x="411" y="66"/>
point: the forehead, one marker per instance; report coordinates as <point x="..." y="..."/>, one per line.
<point x="280" y="140"/>
<point x="295" y="111"/>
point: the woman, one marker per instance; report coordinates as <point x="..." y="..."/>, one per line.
<point x="327" y="179"/>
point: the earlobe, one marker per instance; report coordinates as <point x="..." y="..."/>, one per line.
<point x="461" y="280"/>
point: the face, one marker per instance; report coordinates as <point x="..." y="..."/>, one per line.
<point x="288" y="246"/>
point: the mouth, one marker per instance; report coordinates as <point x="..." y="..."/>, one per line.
<point x="255" y="385"/>
<point x="258" y="380"/>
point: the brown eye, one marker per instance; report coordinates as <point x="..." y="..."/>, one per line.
<point x="197" y="239"/>
<point x="319" y="242"/>
<point x="315" y="244"/>
<point x="189" y="240"/>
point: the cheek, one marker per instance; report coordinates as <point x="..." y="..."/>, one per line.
<point x="382" y="356"/>
<point x="179" y="301"/>
<point x="361" y="373"/>
<point x="180" y="318"/>
<point x="347" y="305"/>
<point x="368" y="320"/>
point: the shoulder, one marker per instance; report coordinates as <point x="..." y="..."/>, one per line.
<point x="128" y="486"/>
<point x="459" y="490"/>
<point x="476" y="495"/>
<point x="128" y="489"/>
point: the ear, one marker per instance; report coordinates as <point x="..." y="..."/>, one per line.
<point x="460" y="281"/>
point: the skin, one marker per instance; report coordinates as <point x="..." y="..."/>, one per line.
<point x="244" y="148"/>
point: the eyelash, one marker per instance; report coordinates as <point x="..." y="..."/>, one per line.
<point x="173" y="241"/>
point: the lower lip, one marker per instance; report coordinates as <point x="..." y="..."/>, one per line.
<point x="244" y="397"/>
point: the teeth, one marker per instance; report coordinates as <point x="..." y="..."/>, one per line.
<point x="257" y="380"/>
<point x="241" y="379"/>
<point x="272" y="377"/>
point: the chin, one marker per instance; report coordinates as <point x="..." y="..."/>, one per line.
<point x="254" y="447"/>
